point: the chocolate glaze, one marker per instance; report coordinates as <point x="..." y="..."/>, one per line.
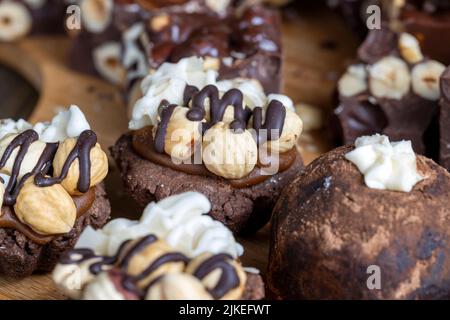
<point x="273" y="124"/>
<point x="144" y="146"/>
<point x="8" y="218"/>
<point x="160" y="136"/>
<point x="23" y="141"/>
<point x="81" y="152"/>
<point x="229" y="278"/>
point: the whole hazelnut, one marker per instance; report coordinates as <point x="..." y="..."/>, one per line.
<point x="47" y="210"/>
<point x="178" y="286"/>
<point x="211" y="280"/>
<point x="292" y="129"/>
<point x="182" y="135"/>
<point x="142" y="260"/>
<point x="229" y="154"/>
<point x="99" y="166"/>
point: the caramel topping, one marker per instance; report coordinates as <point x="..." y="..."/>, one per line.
<point x="143" y="144"/>
<point x="9" y="220"/>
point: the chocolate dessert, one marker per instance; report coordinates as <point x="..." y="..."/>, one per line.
<point x="444" y="121"/>
<point x="150" y="260"/>
<point x="392" y="89"/>
<point x="51" y="189"/>
<point x="354" y="227"/>
<point x="21" y="18"/>
<point x="226" y="139"/>
<point x="429" y="21"/>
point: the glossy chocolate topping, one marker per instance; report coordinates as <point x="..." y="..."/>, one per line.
<point x="142" y="142"/>
<point x="81" y="152"/>
<point x="229" y="278"/>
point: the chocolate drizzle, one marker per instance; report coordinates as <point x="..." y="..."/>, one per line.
<point x="23" y="141"/>
<point x="273" y="125"/>
<point x="82" y="151"/>
<point x="228" y="278"/>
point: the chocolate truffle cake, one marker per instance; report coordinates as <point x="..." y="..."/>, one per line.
<point x="392" y="89"/>
<point x="20" y="18"/>
<point x="225" y="139"/>
<point x="368" y="221"/>
<point x="444" y="120"/>
<point x="172" y="253"/>
<point x="51" y="189"/>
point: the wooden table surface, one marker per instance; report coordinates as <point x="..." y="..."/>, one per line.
<point x="317" y="48"/>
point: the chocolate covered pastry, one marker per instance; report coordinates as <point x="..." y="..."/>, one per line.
<point x="171" y="253"/>
<point x="112" y="42"/>
<point x="429" y="21"/>
<point x="444" y="120"/>
<point x="363" y="222"/>
<point x="19" y="18"/>
<point x="226" y="139"/>
<point x="393" y="89"/>
<point x="51" y="188"/>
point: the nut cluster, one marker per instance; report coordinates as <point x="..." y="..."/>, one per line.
<point x="396" y="75"/>
<point x="153" y="271"/>
<point x="226" y="152"/>
<point x="48" y="210"/>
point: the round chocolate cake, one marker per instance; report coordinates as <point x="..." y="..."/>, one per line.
<point x="334" y="237"/>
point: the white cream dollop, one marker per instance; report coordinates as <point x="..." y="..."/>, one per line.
<point x="168" y="82"/>
<point x="170" y="79"/>
<point x="180" y="220"/>
<point x="385" y="165"/>
<point x="68" y="123"/>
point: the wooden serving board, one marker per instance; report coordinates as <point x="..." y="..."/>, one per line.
<point x="317" y="47"/>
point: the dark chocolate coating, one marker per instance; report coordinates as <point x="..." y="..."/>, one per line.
<point x="444" y="121"/>
<point x="328" y="227"/>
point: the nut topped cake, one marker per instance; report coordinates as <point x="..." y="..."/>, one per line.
<point x="20" y="18"/>
<point x="174" y="252"/>
<point x="393" y="89"/>
<point x="375" y="205"/>
<point x="51" y="188"/>
<point x="225" y="139"/>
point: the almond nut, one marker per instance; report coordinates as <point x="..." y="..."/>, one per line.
<point x="107" y="61"/>
<point x="47" y="210"/>
<point x="425" y="79"/>
<point x="354" y="81"/>
<point x="99" y="166"/>
<point x="410" y="48"/>
<point x="96" y="14"/>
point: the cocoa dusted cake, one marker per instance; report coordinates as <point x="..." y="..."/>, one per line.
<point x="225" y="139"/>
<point x="392" y="89"/>
<point x="368" y="221"/>
<point x="51" y="189"/>
<point x="26" y="17"/>
<point x="174" y="252"/>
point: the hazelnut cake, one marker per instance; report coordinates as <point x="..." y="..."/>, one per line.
<point x="174" y="252"/>
<point x="51" y="189"/>
<point x="225" y="139"/>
